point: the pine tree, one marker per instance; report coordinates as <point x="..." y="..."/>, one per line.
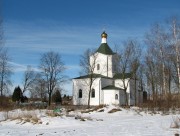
<point x="56" y="97"/>
<point x="17" y="94"/>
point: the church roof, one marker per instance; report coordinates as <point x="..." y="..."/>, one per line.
<point x="105" y="49"/>
<point x="93" y="76"/>
<point x="111" y="87"/>
<point x="122" y="76"/>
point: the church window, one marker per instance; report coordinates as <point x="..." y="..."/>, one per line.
<point x="98" y="67"/>
<point x="80" y="93"/>
<point x="93" y="93"/>
<point x="116" y="96"/>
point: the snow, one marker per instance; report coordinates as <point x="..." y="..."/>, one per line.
<point x="127" y="122"/>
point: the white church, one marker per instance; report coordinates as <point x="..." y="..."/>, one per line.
<point x="107" y="85"/>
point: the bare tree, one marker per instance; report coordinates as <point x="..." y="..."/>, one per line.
<point x="5" y="72"/>
<point x="162" y="66"/>
<point x="151" y="75"/>
<point x="135" y="66"/>
<point x="142" y="80"/>
<point x="157" y="40"/>
<point x="29" y="76"/>
<point x="5" y="67"/>
<point x="128" y="63"/>
<point x="174" y="38"/>
<point x="38" y="87"/>
<point x="52" y="68"/>
<point x="1" y="28"/>
<point x="88" y="62"/>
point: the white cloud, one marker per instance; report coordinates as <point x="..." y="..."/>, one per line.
<point x="20" y="67"/>
<point x="17" y="67"/>
<point x="73" y="67"/>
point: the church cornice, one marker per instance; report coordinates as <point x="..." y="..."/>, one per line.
<point x="92" y="76"/>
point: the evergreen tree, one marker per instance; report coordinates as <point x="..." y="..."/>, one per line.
<point x="64" y="96"/>
<point x="17" y="94"/>
<point x="56" y="97"/>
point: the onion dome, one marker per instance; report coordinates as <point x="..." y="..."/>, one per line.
<point x="104" y="35"/>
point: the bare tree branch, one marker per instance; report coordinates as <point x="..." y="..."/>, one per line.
<point x="52" y="68"/>
<point x="29" y="76"/>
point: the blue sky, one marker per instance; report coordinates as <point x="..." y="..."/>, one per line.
<point x="33" y="27"/>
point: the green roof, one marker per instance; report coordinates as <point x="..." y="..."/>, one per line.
<point x="105" y="49"/>
<point x="122" y="76"/>
<point x="93" y="76"/>
<point x="111" y="87"/>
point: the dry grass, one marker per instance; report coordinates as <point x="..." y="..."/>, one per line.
<point x="175" y="123"/>
<point x="22" y="116"/>
<point x="87" y="110"/>
<point x="96" y="108"/>
<point x="36" y="120"/>
<point x="99" y="107"/>
<point x="27" y="120"/>
<point x="164" y="104"/>
<point x="5" y="103"/>
<point x="51" y="113"/>
<point x="114" y="110"/>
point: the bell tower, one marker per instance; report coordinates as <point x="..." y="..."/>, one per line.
<point x="104" y="56"/>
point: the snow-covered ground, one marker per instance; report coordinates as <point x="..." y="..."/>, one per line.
<point x="121" y="123"/>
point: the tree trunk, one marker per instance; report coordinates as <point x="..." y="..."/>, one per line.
<point x="177" y="52"/>
<point x="49" y="102"/>
<point x="126" y="97"/>
<point x="135" y="91"/>
<point x="2" y="86"/>
<point x="89" y="97"/>
<point x="153" y="90"/>
<point x="178" y="69"/>
<point x="90" y="88"/>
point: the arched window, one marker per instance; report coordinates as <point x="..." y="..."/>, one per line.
<point x="98" y="67"/>
<point x="93" y="93"/>
<point x="80" y="93"/>
<point x="116" y="96"/>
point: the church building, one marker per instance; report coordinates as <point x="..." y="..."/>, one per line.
<point x="107" y="84"/>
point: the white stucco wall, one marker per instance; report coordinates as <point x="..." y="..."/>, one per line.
<point x="83" y="85"/>
<point x="105" y="82"/>
<point x="122" y="98"/>
<point x="105" y="62"/>
<point x="109" y="97"/>
<point x="104" y="96"/>
<point x="131" y="90"/>
<point x="119" y="83"/>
